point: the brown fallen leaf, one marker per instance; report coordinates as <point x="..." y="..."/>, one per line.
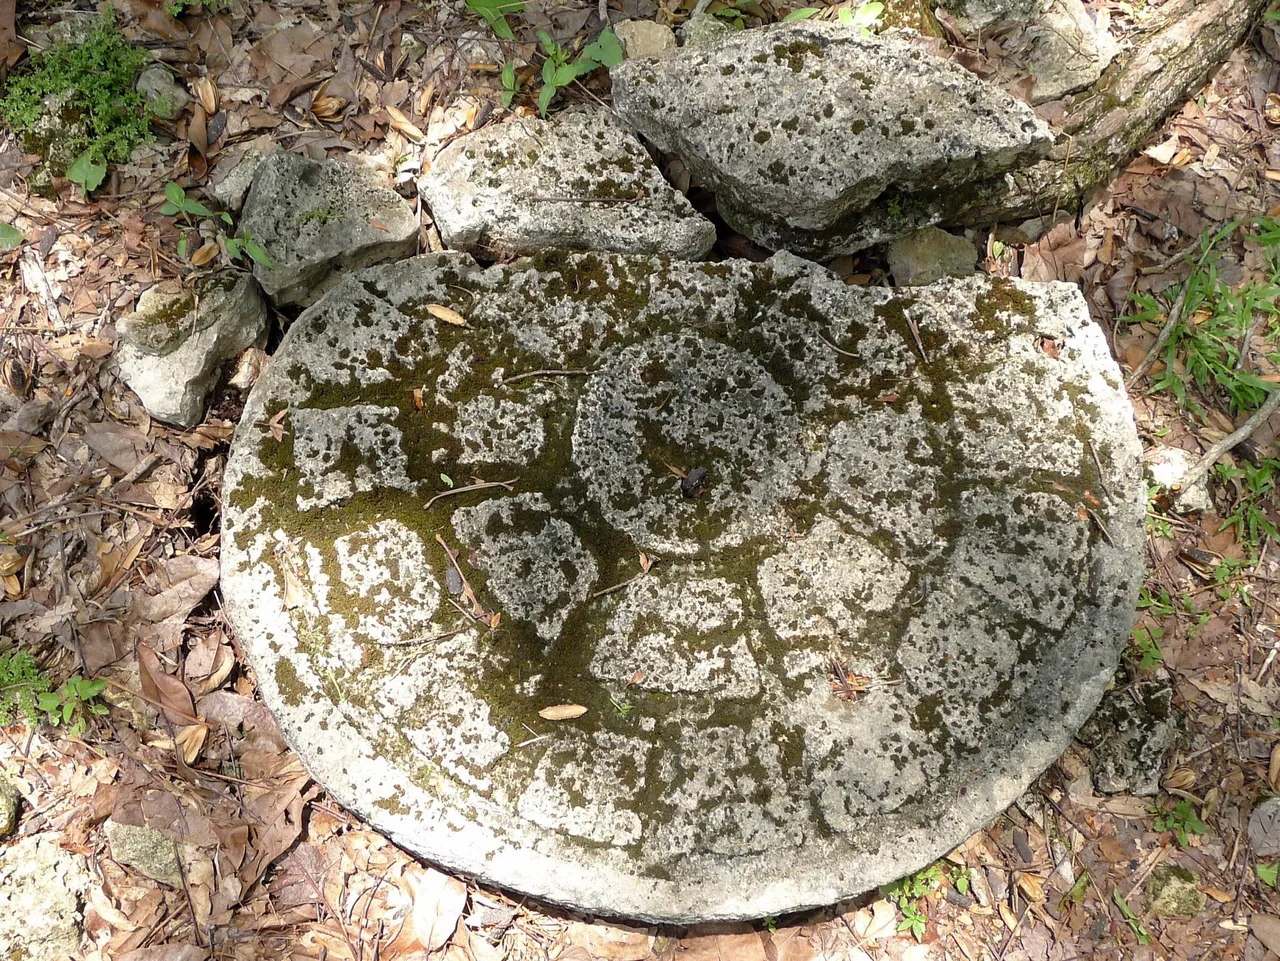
<point x="406" y="126"/>
<point x="205" y="254"/>
<point x="1266" y="928"/>
<point x="447" y="314"/>
<point x="438" y="900"/>
<point x="164" y="690"/>
<point x="562" y="712"/>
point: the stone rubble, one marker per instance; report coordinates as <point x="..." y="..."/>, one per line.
<point x="801" y="127"/>
<point x="929" y="255"/>
<point x="316" y="219"/>
<point x="576" y="182"/>
<point x="174" y="345"/>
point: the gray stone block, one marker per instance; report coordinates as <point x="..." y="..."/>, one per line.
<point x="677" y="495"/>
<point x="315" y="218"/>
<point x="930" y="255"/>
<point x="577" y="181"/>
<point x="799" y="127"/>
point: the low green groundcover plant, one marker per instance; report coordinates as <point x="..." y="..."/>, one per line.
<point x="96" y="81"/>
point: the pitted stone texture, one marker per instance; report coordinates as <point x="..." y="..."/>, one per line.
<point x="42" y="892"/>
<point x="315" y="218"/>
<point x="173" y="347"/>
<point x="800" y="126"/>
<point x="929" y="255"/>
<point x="461" y="526"/>
<point x="1065" y="52"/>
<point x="978" y="14"/>
<point x="578" y="182"/>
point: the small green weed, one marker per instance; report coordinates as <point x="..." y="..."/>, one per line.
<point x="909" y="891"/>
<point x="1216" y="320"/>
<point x="177" y="203"/>
<point x="1255" y="490"/>
<point x="559" y="71"/>
<point x="1135" y="925"/>
<point x="1181" y="819"/>
<point x="26" y="692"/>
<point x="95" y="79"/>
<point x="1161" y="606"/>
<point x="510" y="85"/>
<point x="10" y="236"/>
<point x="863" y="19"/>
<point x="494" y="13"/>
<point x="1268" y="873"/>
<point x="1146" y="646"/>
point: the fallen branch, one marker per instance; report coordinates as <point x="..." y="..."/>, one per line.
<point x="1236" y="437"/>
<point x="549" y="372"/>
<point x="1175" y="316"/>
<point x="508" y="486"/>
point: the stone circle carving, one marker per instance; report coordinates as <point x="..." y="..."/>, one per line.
<point x="835" y="572"/>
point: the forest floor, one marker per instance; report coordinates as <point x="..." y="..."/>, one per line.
<point x="110" y="538"/>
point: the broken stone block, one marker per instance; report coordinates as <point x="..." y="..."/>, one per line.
<point x="233" y="185"/>
<point x="172" y="348"/>
<point x="979" y="14"/>
<point x="645" y="38"/>
<point x="1130" y="735"/>
<point x="929" y="255"/>
<point x="799" y="569"/>
<point x="704" y="30"/>
<point x="316" y="217"/>
<point x="1066" y="52"/>
<point x="42" y="888"/>
<point x="801" y="127"/>
<point x="149" y="852"/>
<point x="577" y="182"/>
<point x="1167" y="466"/>
<point x="1172" y="893"/>
<point x="167" y="96"/>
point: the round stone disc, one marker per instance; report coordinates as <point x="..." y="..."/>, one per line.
<point x="680" y="591"/>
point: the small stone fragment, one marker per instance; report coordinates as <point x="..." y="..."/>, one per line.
<point x="317" y="217"/>
<point x="1066" y="51"/>
<point x="1130" y="734"/>
<point x="10" y="806"/>
<point x="167" y="96"/>
<point x="978" y="14"/>
<point x="41" y="892"/>
<point x="146" y="850"/>
<point x="174" y="345"/>
<point x="233" y="186"/>
<point x="1167" y="466"/>
<point x="1172" y="893"/>
<point x="577" y="182"/>
<point x="929" y="255"/>
<point x="645" y="38"/>
<point x="800" y="127"/>
<point x="704" y="30"/>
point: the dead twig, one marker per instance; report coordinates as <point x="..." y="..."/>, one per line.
<point x="1175" y="316"/>
<point x="508" y="486"/>
<point x="549" y="372"/>
<point x="1241" y="434"/>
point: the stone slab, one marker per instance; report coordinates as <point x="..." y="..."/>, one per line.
<point x="799" y="126"/>
<point x="578" y="181"/>
<point x="940" y="489"/>
<point x="316" y="218"/>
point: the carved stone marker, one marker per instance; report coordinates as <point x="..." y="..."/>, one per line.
<point x="834" y="572"/>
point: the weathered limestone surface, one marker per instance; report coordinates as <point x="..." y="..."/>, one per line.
<point x="315" y="218"/>
<point x="800" y="127"/>
<point x="1066" y="52"/>
<point x="893" y="479"/>
<point x="578" y="182"/>
<point x="929" y="255"/>
<point x="983" y="13"/>
<point x="174" y="345"/>
<point x="42" y="889"/>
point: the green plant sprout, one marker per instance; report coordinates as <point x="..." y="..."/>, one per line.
<point x="178" y="203"/>
<point x="494" y="13"/>
<point x="1135" y="925"/>
<point x="510" y="85"/>
<point x="559" y="71"/>
<point x="862" y="19"/>
<point x="1257" y="487"/>
<point x="26" y="692"/>
<point x="907" y="892"/>
<point x="10" y="237"/>
<point x="1146" y="645"/>
<point x="1182" y="820"/>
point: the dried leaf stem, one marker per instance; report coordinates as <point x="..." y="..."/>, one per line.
<point x="549" y="372"/>
<point x="479" y="485"/>
<point x="1238" y="436"/>
<point x="1175" y="315"/>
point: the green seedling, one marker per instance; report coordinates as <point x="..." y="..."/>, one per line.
<point x="72" y="704"/>
<point x="10" y="237"/>
<point x="1268" y="873"/>
<point x="177" y="202"/>
<point x="494" y="13"/>
<point x="26" y="692"/>
<point x="1161" y="606"/>
<point x="247" y="245"/>
<point x="1135" y="925"/>
<point x="510" y="85"/>
<point x="559" y="71"/>
<point x="1146" y="645"/>
<point x="863" y="19"/>
<point x="1182" y="820"/>
<point x="1255" y="493"/>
